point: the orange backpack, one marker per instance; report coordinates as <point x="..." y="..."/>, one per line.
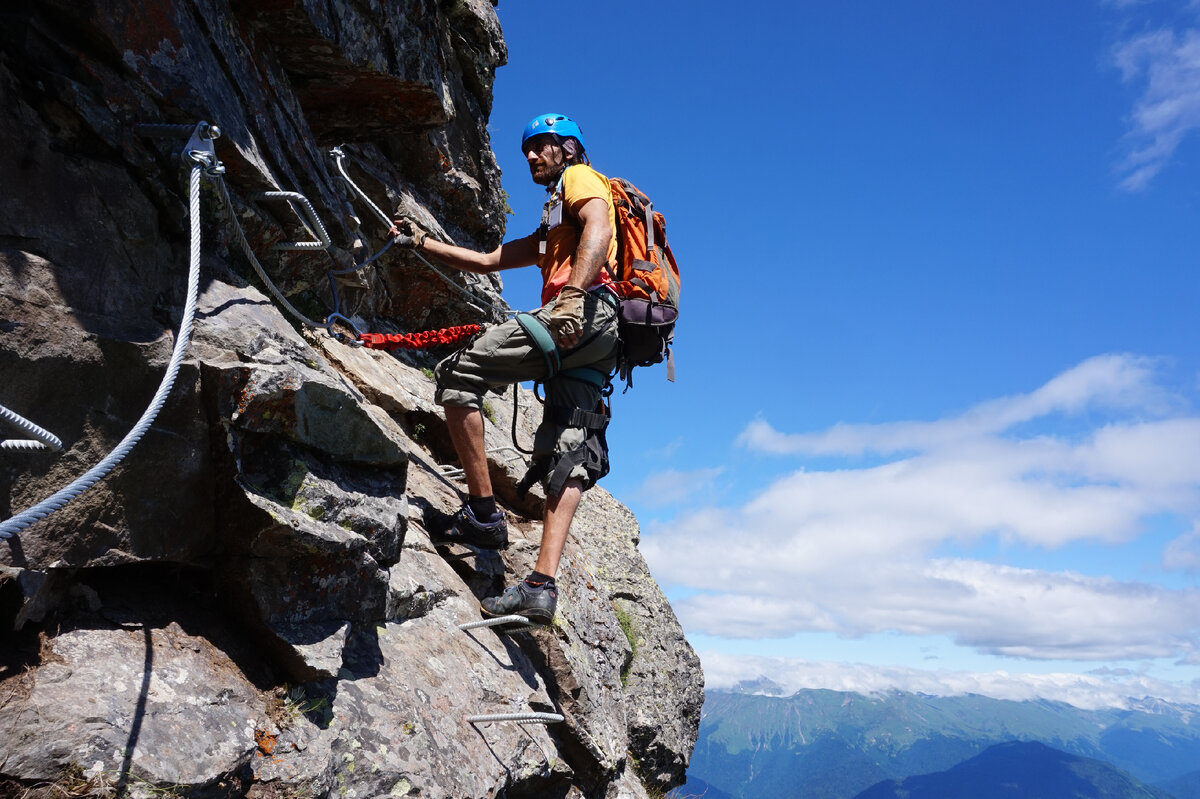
<point x="646" y="279"/>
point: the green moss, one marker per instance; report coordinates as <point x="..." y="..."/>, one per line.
<point x="630" y="631"/>
<point x="489" y="412"/>
<point x="295" y="478"/>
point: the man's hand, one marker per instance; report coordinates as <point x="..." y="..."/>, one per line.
<point x="566" y="316"/>
<point x="408" y="233"/>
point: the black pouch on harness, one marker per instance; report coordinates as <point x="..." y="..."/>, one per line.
<point x="646" y="328"/>
<point x="556" y="468"/>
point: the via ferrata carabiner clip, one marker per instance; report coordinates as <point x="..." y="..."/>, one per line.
<point x="339" y="335"/>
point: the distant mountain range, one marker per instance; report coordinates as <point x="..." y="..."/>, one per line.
<point x="819" y="744"/>
<point x="1020" y="770"/>
<point x="1185" y="787"/>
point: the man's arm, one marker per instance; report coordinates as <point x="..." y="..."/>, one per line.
<point x="566" y="317"/>
<point x="511" y="254"/>
<point x="592" y="251"/>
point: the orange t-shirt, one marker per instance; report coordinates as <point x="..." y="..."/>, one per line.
<point x="562" y="227"/>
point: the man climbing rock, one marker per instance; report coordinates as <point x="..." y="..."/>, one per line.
<point x="570" y="344"/>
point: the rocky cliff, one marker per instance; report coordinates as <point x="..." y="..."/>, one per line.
<point x="249" y="605"/>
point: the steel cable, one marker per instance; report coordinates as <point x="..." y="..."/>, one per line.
<point x="338" y="156"/>
<point x="19" y="522"/>
<point x="262" y="273"/>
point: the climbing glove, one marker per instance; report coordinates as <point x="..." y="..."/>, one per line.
<point x="408" y="233"/>
<point x="566" y="316"/>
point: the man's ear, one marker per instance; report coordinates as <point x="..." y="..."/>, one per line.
<point x="571" y="148"/>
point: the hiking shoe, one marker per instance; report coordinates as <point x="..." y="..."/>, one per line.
<point x="464" y="528"/>
<point x="535" y="604"/>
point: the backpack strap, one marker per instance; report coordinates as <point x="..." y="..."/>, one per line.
<point x="544" y="228"/>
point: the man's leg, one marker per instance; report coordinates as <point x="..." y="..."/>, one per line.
<point x="503" y="355"/>
<point x="466" y="433"/>
<point x="536" y="597"/>
<point x="479" y="523"/>
<point x="571" y="455"/>
<point x="557" y="523"/>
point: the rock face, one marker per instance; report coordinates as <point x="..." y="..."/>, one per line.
<point x="249" y="604"/>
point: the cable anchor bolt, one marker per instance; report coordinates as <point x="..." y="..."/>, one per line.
<point x="200" y="149"/>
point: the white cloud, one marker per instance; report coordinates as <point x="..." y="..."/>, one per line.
<point x="1106" y="381"/>
<point x="853" y="550"/>
<point x="1088" y="691"/>
<point x="1168" y="63"/>
<point x="671" y="487"/>
<point x="1183" y="554"/>
<point x="999" y="610"/>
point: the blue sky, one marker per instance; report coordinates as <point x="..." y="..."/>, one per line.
<point x="936" y="410"/>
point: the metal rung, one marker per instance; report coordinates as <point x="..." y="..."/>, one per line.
<point x="455" y="472"/>
<point x="302" y="208"/>
<point x="199" y="148"/>
<point x="516" y="453"/>
<point x="164" y="130"/>
<point x="524" y="623"/>
<point x="520" y="718"/>
<point x="44" y="438"/>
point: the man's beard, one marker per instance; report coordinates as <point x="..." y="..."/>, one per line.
<point x="550" y="176"/>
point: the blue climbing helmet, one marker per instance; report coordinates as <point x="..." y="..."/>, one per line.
<point x="559" y="124"/>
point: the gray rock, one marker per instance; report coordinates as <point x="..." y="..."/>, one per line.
<point x="155" y="704"/>
<point x="249" y="605"/>
<point x="662" y="680"/>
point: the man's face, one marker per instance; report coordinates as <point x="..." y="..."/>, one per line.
<point x="545" y="158"/>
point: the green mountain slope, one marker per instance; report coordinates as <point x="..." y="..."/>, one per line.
<point x="832" y="745"/>
<point x="1020" y="770"/>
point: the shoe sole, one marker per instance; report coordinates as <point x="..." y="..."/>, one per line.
<point x="442" y="542"/>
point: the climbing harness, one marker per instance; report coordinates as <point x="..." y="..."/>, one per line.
<point x="44" y="438"/>
<point x="592" y="453"/>
<point x="200" y="154"/>
<point x="544" y="341"/>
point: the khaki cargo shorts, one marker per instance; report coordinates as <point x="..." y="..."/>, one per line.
<point x="507" y="354"/>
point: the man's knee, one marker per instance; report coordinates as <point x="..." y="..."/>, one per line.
<point x="577" y="453"/>
<point x="451" y="390"/>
